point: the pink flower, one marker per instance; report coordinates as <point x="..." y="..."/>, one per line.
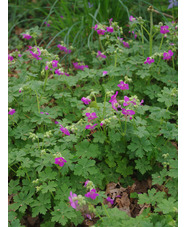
<point x="12" y="111"/>
<point x="65" y="131"/>
<point x="110" y="200"/>
<point x="114" y="102"/>
<point x="60" y="161"/>
<point x="36" y="55"/>
<point x="110" y="29"/>
<point x="56" y="122"/>
<point x="58" y="72"/>
<point x="168" y="55"/>
<point x="123" y="86"/>
<point x="101" y="32"/>
<point x="26" y="36"/>
<point x="86" y="101"/>
<point x="164" y="29"/>
<point x="73" y="201"/>
<point x="142" y="101"/>
<point x="126" y="44"/>
<point x="63" y="48"/>
<point x="131" y="18"/>
<point x="90" y="126"/>
<point x="54" y="63"/>
<point x="92" y="194"/>
<point x="10" y="58"/>
<point x="149" y="60"/>
<point x="101" y="124"/>
<point x="110" y="21"/>
<point x="86" y="182"/>
<point x="95" y="27"/>
<point x="91" y="116"/>
<point x="79" y="66"/>
<point x="128" y="112"/>
<point x="101" y="55"/>
<point x="88" y="216"/>
<point x="104" y="73"/>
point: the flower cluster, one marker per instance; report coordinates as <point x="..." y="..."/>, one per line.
<point x="92" y="194"/>
<point x="77" y="66"/>
<point x="110" y="29"/>
<point x="63" y="48"/>
<point x="60" y="161"/>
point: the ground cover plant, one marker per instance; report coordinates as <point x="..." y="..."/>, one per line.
<point x="93" y="127"/>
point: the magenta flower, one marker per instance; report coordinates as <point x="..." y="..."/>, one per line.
<point x="142" y="101"/>
<point x="12" y="111"/>
<point x="48" y="25"/>
<point x="149" y="60"/>
<point x="54" y="63"/>
<point x="86" y="182"/>
<point x="101" y="32"/>
<point x="131" y="18"/>
<point x="135" y="36"/>
<point x="126" y="101"/>
<point x="56" y="122"/>
<point x="92" y="194"/>
<point x="63" y="48"/>
<point x="10" y="58"/>
<point x="86" y="101"/>
<point x="101" y="55"/>
<point x="41" y="112"/>
<point x="110" y="29"/>
<point x="110" y="200"/>
<point x="164" y="29"/>
<point x="60" y="161"/>
<point x="95" y="27"/>
<point x="79" y="66"/>
<point x="19" y="55"/>
<point x="65" y="131"/>
<point x="123" y="86"/>
<point x="168" y="55"/>
<point x="113" y="97"/>
<point x="101" y="124"/>
<point x="61" y="16"/>
<point x="128" y="113"/>
<point x="58" y="72"/>
<point x="114" y="102"/>
<point x="110" y="21"/>
<point x="90" y="126"/>
<point x="73" y="200"/>
<point x="36" y="55"/>
<point x="91" y="116"/>
<point x="26" y="36"/>
<point x="89" y="216"/>
<point x="104" y="73"/>
<point x="19" y="91"/>
<point x="126" y="44"/>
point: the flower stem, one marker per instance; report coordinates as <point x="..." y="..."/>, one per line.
<point x="105" y="210"/>
<point x="115" y="59"/>
<point x="150" y="35"/>
<point x="161" y="42"/>
<point x="37" y="102"/>
<point x="173" y="63"/>
<point x="46" y="78"/>
<point x="101" y="46"/>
